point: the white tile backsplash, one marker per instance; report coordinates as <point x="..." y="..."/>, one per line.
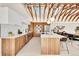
<point x="5" y="28"/>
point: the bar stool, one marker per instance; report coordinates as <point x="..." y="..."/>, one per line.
<point x="64" y="39"/>
<point x="77" y="44"/>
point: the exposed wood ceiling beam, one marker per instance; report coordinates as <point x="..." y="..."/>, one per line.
<point x="77" y="19"/>
<point x="49" y="10"/>
<point x="70" y="18"/>
<point x="70" y="15"/>
<point x="54" y="9"/>
<point x="75" y="16"/>
<point x="60" y="12"/>
<point x="40" y="11"/>
<point x="27" y="11"/>
<point x="57" y="10"/>
<point x="44" y="11"/>
<point x="47" y="16"/>
<point x="68" y="11"/>
<point x="63" y="14"/>
<point x="35" y="12"/>
<point x="30" y="11"/>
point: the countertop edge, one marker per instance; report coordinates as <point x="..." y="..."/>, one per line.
<point x="14" y="36"/>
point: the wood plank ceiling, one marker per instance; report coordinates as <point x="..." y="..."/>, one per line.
<point x="62" y="12"/>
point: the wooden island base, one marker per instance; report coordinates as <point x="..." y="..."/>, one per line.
<point x="50" y="44"/>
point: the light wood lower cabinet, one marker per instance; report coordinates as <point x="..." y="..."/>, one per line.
<point x="17" y="46"/>
<point x="22" y="40"/>
<point x="12" y="46"/>
<point x="3" y="46"/>
<point x="8" y="47"/>
<point x="50" y="46"/>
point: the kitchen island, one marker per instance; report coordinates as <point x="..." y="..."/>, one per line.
<point x="50" y="44"/>
<point x="10" y="46"/>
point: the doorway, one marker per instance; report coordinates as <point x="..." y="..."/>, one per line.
<point x="38" y="28"/>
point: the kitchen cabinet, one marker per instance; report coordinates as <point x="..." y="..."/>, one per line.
<point x="17" y="46"/>
<point x="22" y="41"/>
<point x="12" y="45"/>
<point x="8" y="48"/>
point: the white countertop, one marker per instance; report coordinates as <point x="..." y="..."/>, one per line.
<point x="15" y="36"/>
<point x="51" y="36"/>
<point x="18" y="35"/>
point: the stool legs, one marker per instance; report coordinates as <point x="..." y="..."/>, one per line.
<point x="67" y="47"/>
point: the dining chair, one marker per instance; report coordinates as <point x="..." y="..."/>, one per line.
<point x="64" y="39"/>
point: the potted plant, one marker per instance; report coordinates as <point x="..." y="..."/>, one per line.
<point x="10" y="33"/>
<point x="77" y="30"/>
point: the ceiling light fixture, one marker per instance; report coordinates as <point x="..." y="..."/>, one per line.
<point x="48" y="22"/>
<point x="52" y="19"/>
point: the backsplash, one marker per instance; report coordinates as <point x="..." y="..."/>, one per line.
<point x="5" y="28"/>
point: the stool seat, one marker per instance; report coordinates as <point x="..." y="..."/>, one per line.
<point x="63" y="39"/>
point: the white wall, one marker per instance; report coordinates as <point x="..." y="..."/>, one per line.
<point x="5" y="28"/>
<point x="13" y="17"/>
<point x="9" y="16"/>
<point x="13" y="23"/>
<point x="18" y="8"/>
<point x="69" y="27"/>
<point x="3" y="15"/>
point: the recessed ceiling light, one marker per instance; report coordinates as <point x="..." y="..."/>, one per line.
<point x="48" y="22"/>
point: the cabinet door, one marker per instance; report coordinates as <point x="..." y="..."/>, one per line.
<point x="17" y="45"/>
<point x="8" y="48"/>
<point x="24" y="40"/>
<point x="3" y="47"/>
<point x="21" y="41"/>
